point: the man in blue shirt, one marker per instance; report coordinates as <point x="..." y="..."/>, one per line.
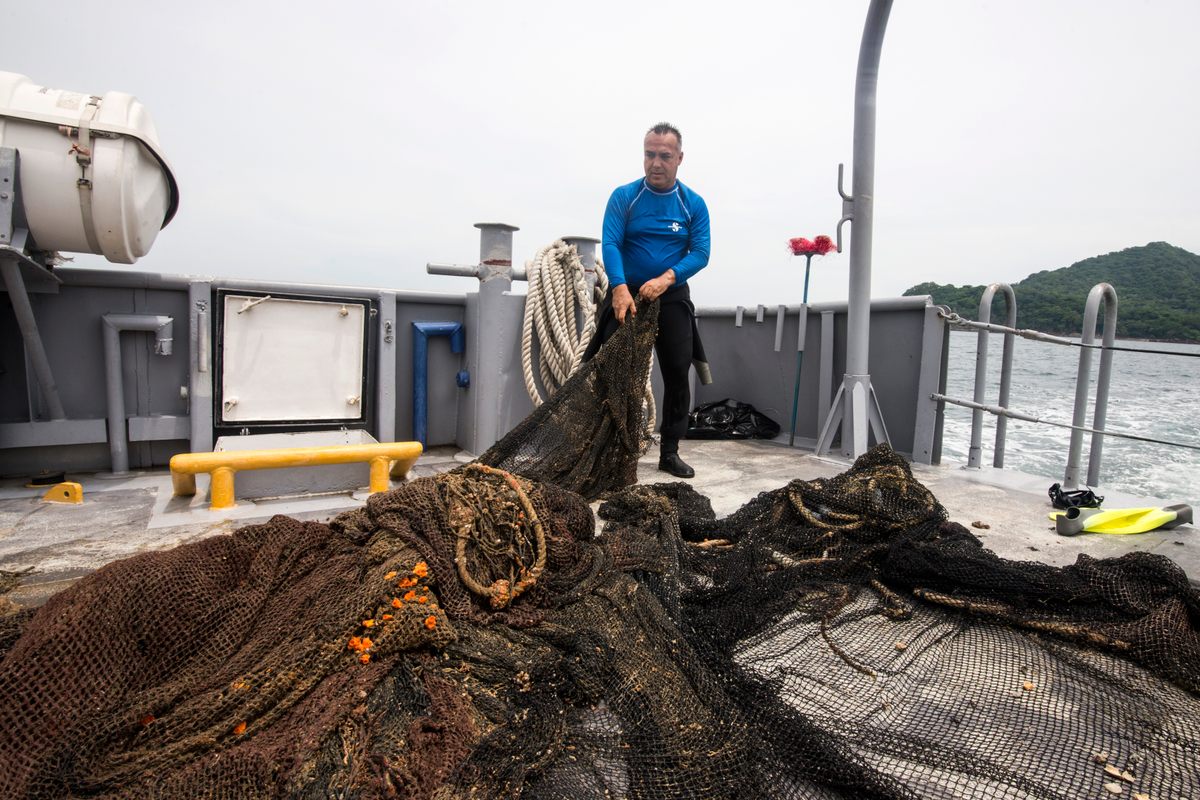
<point x="656" y="237"/>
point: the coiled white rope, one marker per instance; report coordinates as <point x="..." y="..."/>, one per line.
<point x="558" y="297"/>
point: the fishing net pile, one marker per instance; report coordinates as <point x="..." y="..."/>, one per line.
<point x="469" y="635"/>
<point x="588" y="436"/>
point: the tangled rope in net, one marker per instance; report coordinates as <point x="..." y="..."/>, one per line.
<point x="558" y="299"/>
<point x="494" y="532"/>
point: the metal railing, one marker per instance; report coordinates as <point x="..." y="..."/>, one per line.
<point x="1101" y="293"/>
<point x="386" y="459"/>
<point x="981" y="359"/>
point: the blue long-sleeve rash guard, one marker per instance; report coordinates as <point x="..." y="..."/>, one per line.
<point x="647" y="232"/>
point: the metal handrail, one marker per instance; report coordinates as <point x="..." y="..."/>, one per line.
<point x="1008" y="412"/>
<point x="386" y="459"/>
<point x="954" y="319"/>
<point x="981" y="359"/>
<point x="1101" y="293"/>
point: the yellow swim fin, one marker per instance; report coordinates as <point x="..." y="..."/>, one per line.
<point x="1120" y="520"/>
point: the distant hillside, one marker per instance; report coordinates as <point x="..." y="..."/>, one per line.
<point x="1158" y="294"/>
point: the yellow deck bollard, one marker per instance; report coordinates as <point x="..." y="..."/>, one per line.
<point x="386" y="459"/>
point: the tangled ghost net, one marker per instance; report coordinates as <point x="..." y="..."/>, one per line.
<point x="588" y="436"/>
<point x="469" y="636"/>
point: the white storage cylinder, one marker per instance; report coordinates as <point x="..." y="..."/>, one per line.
<point x="92" y="177"/>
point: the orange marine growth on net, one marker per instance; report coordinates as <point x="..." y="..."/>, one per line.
<point x="355" y="643"/>
<point x="421" y="570"/>
<point x="407" y="582"/>
<point x="365" y="658"/>
<point x="390" y="575"/>
<point x="431" y="622"/>
<point x="396" y="602"/>
<point x="239" y="729"/>
<point x="386" y="617"/>
<point x="410" y="595"/>
<point x="368" y="623"/>
<point x="422" y="599"/>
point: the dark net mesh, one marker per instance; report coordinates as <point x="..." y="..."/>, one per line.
<point x="588" y="436"/>
<point x="469" y="636"/>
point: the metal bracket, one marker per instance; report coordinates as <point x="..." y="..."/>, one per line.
<point x="15" y="241"/>
<point x="13" y="264"/>
<point x="12" y="214"/>
<point x="847" y="205"/>
<point x="83" y="156"/>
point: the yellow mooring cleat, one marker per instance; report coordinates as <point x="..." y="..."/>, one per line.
<point x="65" y="492"/>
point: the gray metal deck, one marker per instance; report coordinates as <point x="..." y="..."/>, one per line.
<point x="122" y="517"/>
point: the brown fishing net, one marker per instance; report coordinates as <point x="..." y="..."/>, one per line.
<point x="468" y="636"/>
<point x="588" y="436"/>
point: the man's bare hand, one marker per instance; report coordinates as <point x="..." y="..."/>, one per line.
<point x="651" y="290"/>
<point x="622" y="301"/>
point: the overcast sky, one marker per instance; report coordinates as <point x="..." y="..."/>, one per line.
<point x="353" y="143"/>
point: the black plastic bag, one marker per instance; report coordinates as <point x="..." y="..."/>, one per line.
<point x="730" y="419"/>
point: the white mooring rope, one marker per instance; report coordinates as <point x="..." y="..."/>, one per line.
<point x="558" y="297"/>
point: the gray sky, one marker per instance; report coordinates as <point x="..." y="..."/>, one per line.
<point x="354" y="144"/>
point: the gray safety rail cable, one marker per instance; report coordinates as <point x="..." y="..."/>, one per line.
<point x="953" y="318"/>
<point x="1005" y="412"/>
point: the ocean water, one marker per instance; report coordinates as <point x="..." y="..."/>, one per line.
<point x="1151" y="395"/>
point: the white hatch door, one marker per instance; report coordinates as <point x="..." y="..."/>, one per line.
<point x="289" y="360"/>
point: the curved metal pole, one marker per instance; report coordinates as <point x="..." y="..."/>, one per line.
<point x="422" y="331"/>
<point x="863" y="187"/>
<point x="855" y="409"/>
<point x="1100" y="411"/>
<point x="1006" y="361"/>
<point x="1105" y="292"/>
<point x="974" y="454"/>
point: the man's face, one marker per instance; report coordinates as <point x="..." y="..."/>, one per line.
<point x="662" y="160"/>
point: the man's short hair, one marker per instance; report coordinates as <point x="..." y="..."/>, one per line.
<point x="664" y="128"/>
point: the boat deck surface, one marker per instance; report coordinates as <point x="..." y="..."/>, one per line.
<point x="124" y="516"/>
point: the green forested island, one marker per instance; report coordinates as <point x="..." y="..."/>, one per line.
<point x="1158" y="294"/>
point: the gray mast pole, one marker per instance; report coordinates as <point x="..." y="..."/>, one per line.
<point x="859" y="320"/>
<point x="855" y="406"/>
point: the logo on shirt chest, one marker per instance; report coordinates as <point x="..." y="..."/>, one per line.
<point x="675" y="227"/>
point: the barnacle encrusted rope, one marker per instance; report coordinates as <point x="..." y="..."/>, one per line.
<point x="481" y="517"/>
<point x="886" y="485"/>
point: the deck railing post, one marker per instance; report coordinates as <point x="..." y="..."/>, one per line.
<point x="974" y="454"/>
<point x="1106" y="293"/>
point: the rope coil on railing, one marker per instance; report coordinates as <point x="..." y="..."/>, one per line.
<point x="558" y="294"/>
<point x="954" y="318"/>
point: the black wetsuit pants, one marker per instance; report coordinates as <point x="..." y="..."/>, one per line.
<point x="674" y="349"/>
